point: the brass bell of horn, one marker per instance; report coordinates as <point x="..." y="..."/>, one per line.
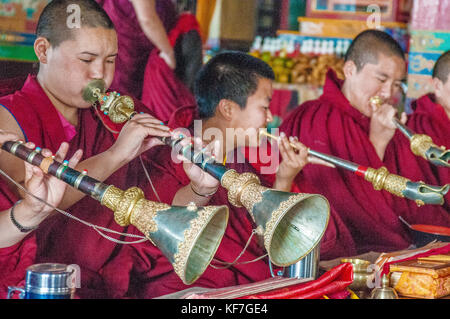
<point x="292" y="224"/>
<point x="188" y="236"/>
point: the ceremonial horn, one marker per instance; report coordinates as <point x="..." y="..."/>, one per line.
<point x="292" y="224"/>
<point x="381" y="179"/>
<point x="420" y="144"/>
<point x="188" y="236"/>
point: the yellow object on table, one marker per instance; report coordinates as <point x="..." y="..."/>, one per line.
<point x="421" y="278"/>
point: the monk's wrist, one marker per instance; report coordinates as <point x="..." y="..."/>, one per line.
<point x="27" y="215"/>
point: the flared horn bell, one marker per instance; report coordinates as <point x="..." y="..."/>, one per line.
<point x="292" y="224"/>
<point x="188" y="236"/>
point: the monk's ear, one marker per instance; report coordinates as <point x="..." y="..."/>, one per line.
<point x="41" y="47"/>
<point x="226" y="109"/>
<point x="349" y="69"/>
<point x="437" y="86"/>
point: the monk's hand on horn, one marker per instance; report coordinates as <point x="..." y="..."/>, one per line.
<point x="294" y="156"/>
<point x="202" y="183"/>
<point x="44" y="186"/>
<point x="139" y="135"/>
<point x="382" y="126"/>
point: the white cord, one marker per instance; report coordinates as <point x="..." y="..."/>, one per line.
<point x="228" y="264"/>
<point x="149" y="179"/>
<point x="95" y="227"/>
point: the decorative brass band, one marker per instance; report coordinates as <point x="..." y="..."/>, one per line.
<point x="190" y="235"/>
<point x="31" y="156"/>
<point x="420" y="144"/>
<point x="45" y="164"/>
<point x="14" y="147"/>
<point x="235" y="184"/>
<point x="382" y="179"/>
<point x="121" y="202"/>
<point x="143" y="215"/>
<point x="123" y="109"/>
<point x="251" y="196"/>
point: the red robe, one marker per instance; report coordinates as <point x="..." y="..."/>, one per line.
<point x="332" y="126"/>
<point x="106" y="267"/>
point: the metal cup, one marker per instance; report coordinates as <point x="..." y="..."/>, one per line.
<point x="46" y="281"/>
<point x="307" y="267"/>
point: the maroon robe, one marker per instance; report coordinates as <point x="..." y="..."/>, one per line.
<point x="14" y="261"/>
<point x="106" y="267"/>
<point x="332" y="126"/>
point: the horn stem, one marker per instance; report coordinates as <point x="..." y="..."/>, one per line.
<point x="381" y="179"/>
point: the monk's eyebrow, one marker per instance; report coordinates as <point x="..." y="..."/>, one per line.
<point x="382" y="74"/>
<point x="96" y="55"/>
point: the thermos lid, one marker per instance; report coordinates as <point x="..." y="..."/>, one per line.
<point x="48" y="278"/>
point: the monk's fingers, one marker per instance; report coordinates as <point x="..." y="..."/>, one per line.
<point x="46" y="152"/>
<point x="146" y="118"/>
<point x="75" y="159"/>
<point x="403" y="118"/>
<point x="8" y="136"/>
<point x="287" y="152"/>
<point x="61" y="153"/>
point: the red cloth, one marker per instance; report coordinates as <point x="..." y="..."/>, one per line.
<point x="332" y="126"/>
<point x="14" y="261"/>
<point x="163" y="92"/>
<point x="107" y="269"/>
<point x="337" y="240"/>
<point x="332" y="283"/>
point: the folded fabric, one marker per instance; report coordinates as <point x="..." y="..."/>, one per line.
<point x="331" y="284"/>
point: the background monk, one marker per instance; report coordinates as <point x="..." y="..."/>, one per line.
<point x="17" y="240"/>
<point x="233" y="91"/>
<point x="343" y="123"/>
<point x="49" y="110"/>
<point x="431" y="116"/>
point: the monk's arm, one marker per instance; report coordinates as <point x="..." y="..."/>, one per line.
<point x="153" y="28"/>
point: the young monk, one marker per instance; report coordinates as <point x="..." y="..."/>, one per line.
<point x="233" y="92"/>
<point x="431" y="116"/>
<point x="17" y="239"/>
<point x="49" y="110"/>
<point x="343" y="123"/>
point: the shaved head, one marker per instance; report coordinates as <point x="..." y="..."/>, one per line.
<point x="441" y="68"/>
<point x="367" y="46"/>
<point x="53" y="21"/>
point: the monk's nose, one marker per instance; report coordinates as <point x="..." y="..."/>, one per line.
<point x="97" y="71"/>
